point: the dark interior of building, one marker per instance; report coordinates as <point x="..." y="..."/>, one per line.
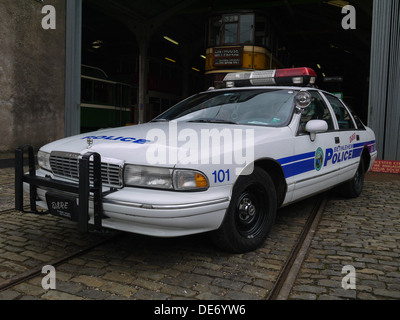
<point x="310" y="34"/>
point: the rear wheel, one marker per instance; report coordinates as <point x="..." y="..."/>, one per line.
<point x="354" y="187"/>
<point x="250" y="215"/>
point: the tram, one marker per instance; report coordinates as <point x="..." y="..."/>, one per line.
<point x="244" y="40"/>
<point x="105" y="103"/>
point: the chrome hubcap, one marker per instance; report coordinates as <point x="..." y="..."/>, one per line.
<point x="246" y="210"/>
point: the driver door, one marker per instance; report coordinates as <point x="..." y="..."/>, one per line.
<point x="314" y="172"/>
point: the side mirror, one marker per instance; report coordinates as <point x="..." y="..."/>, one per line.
<point x="316" y="126"/>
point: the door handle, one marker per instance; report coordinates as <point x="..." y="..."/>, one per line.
<point x="337" y="140"/>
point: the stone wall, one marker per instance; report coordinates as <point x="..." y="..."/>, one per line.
<point x="32" y="74"/>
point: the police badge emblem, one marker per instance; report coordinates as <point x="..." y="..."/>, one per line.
<point x="319" y="159"/>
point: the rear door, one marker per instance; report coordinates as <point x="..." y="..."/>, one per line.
<point x="347" y="153"/>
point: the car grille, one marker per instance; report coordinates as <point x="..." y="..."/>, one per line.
<point x="66" y="165"/>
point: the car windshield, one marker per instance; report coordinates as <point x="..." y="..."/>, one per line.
<point x="265" y="107"/>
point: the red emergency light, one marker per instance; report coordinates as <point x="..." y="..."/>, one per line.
<point x="282" y="77"/>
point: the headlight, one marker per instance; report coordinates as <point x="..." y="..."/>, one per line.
<point x="164" y="178"/>
<point x="44" y="160"/>
<point x="151" y="177"/>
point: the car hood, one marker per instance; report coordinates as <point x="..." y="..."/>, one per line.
<point x="167" y="144"/>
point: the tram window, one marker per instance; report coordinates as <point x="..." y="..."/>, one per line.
<point x="247" y="29"/>
<point x="277" y="46"/>
<point x="127" y="94"/>
<point x="230" y="33"/>
<point x="268" y="37"/>
<point x="103" y="93"/>
<point x="274" y="43"/>
<point x="215" y="29"/>
<point x="261" y="31"/>
<point x="236" y="29"/>
<point x="87" y="90"/>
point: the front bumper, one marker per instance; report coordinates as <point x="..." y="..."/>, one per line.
<point x="143" y="211"/>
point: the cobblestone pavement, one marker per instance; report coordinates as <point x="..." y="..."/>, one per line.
<point x="363" y="233"/>
<point x="137" y="267"/>
<point x="6" y="188"/>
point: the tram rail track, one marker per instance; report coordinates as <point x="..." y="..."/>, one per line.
<point x="37" y="271"/>
<point x="290" y="269"/>
<point x="5" y="211"/>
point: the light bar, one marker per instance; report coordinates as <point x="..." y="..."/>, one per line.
<point x="289" y="77"/>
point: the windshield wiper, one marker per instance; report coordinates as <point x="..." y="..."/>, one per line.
<point x="159" y="120"/>
<point x="213" y="121"/>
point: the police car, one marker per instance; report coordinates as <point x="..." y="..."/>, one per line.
<point x="222" y="161"/>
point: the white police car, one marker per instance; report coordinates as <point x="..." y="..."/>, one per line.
<point x="222" y="161"/>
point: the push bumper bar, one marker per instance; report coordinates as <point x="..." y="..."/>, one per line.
<point x="81" y="191"/>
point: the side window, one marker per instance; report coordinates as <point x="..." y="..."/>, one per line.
<point x="342" y="115"/>
<point x="317" y="110"/>
<point x="359" y="123"/>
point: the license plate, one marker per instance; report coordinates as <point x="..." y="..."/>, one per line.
<point x="62" y="206"/>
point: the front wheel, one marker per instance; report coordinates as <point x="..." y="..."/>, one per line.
<point x="250" y="215"/>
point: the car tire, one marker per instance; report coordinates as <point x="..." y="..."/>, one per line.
<point x="354" y="187"/>
<point x="250" y="215"/>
